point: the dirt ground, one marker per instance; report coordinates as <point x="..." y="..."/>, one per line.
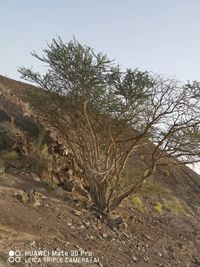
<point x="55" y="220"/>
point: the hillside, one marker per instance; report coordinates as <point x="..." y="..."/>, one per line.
<point x="159" y="227"/>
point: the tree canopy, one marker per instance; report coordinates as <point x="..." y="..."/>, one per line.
<point x="112" y="114"/>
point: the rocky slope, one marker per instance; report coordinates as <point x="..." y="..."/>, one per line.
<point x="159" y="227"/>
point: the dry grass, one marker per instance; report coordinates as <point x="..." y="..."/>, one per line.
<point x="138" y="203"/>
<point x="9" y="155"/>
<point x="158" y="207"/>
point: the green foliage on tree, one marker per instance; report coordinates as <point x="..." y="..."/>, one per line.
<point x="109" y="116"/>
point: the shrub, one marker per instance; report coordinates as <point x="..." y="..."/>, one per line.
<point x="138" y="203"/>
<point x="175" y="206"/>
<point x="158" y="207"/>
<point x="10" y="128"/>
<point x="153" y="187"/>
<point x="50" y="186"/>
<point x="9" y="155"/>
<point x="39" y="154"/>
<point x="118" y="112"/>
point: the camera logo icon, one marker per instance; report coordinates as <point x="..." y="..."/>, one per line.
<point x="14" y="256"/>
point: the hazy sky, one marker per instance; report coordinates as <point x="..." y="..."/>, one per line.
<point x="157" y="35"/>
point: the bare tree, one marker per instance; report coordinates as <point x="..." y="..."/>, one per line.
<point x="108" y="116"/>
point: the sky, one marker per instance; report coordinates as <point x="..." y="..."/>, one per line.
<point x="154" y="35"/>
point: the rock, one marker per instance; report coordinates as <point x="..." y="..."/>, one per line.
<point x="35" y="177"/>
<point x="77" y="212"/>
<point x="111" y="239"/>
<point x="196" y="260"/>
<point x="146" y="258"/>
<point x="17" y="164"/>
<point x="67" y="185"/>
<point x="147" y="237"/>
<point x="71" y="225"/>
<point x="125" y="234"/>
<point x="171" y="249"/>
<point x="2" y="167"/>
<point x="134" y="259"/>
<point x="35" y="199"/>
<point x="67" y="243"/>
<point x="22" y="197"/>
<point x="2" y="170"/>
<point x="58" y="191"/>
<point x="87" y="224"/>
<point x="105" y="235"/>
<point x="32" y="243"/>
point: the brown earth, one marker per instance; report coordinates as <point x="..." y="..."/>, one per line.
<point x="61" y="221"/>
